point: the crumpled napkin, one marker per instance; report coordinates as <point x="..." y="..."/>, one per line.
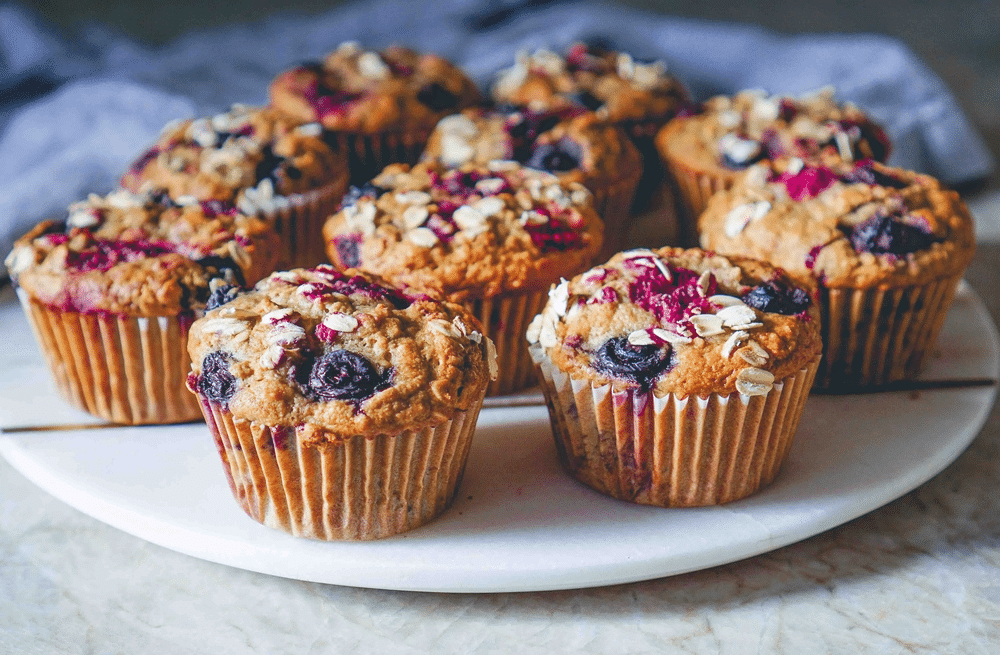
<point x="75" y="113"/>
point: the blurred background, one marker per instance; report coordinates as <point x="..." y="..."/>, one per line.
<point x="957" y="39"/>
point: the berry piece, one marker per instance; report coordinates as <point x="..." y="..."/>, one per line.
<point x="564" y="155"/>
<point x="348" y="249"/>
<point x="437" y="97"/>
<point x="225" y="267"/>
<point x="808" y="182"/>
<point x="344" y="375"/>
<point x="222" y="294"/>
<point x="553" y="235"/>
<point x="865" y="173"/>
<point x="641" y="365"/>
<point x="216" y="382"/>
<point x="366" y="190"/>
<point x="778" y="299"/>
<point x="883" y="234"/>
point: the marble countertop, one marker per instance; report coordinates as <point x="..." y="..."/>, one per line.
<point x="919" y="575"/>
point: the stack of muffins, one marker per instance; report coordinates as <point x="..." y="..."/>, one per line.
<point x="340" y="278"/>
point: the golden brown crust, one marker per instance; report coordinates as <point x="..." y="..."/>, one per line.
<point x="627" y="92"/>
<point x="367" y="92"/>
<point x="485" y="248"/>
<point x="129" y="255"/>
<point x="811" y="238"/>
<point x="433" y="354"/>
<point x="751" y="124"/>
<point x="727" y="346"/>
<point x="252" y="157"/>
<point x="605" y="156"/>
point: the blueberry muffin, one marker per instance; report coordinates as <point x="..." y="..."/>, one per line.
<point x="492" y="237"/>
<point x="255" y="160"/>
<point x="379" y="106"/>
<point x="705" y="151"/>
<point x="640" y="97"/>
<point x="112" y="290"/>
<point x="341" y="408"/>
<point x="572" y="145"/>
<point x="885" y="247"/>
<point x="676" y="377"/>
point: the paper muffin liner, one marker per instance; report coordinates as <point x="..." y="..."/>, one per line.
<point x="123" y="369"/>
<point x="505" y="320"/>
<point x="368" y="154"/>
<point x="875" y="336"/>
<point x="300" y="224"/>
<point x="613" y="204"/>
<point x="693" y="188"/>
<point x="358" y="488"/>
<point x="670" y="451"/>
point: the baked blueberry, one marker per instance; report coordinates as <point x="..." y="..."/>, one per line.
<point x="216" y="382"/>
<point x="344" y="375"/>
<point x="619" y="359"/>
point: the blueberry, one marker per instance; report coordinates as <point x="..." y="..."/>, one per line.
<point x="642" y="365"/>
<point x="865" y="173"/>
<point x="778" y="299"/>
<point x="216" y="382"/>
<point x="224" y="267"/>
<point x="585" y="99"/>
<point x="348" y="249"/>
<point x="437" y="97"/>
<point x="366" y="190"/>
<point x="883" y="234"/>
<point x="344" y="375"/>
<point x="564" y="155"/>
<point x="222" y="294"/>
<point x="269" y="166"/>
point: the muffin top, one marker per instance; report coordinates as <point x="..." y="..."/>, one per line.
<point x="138" y="255"/>
<point x="573" y="145"/>
<point x="679" y="321"/>
<point x="251" y="157"/>
<point x="730" y="134"/>
<point x="339" y="354"/>
<point x="846" y="225"/>
<point x="468" y="232"/>
<point x="615" y="86"/>
<point x="367" y="92"/>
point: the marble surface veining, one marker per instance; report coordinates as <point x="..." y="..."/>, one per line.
<point x="920" y="575"/>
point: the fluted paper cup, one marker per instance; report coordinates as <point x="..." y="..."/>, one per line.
<point x="123" y="369"/>
<point x="875" y="336"/>
<point x="505" y="320"/>
<point x="368" y="154"/>
<point x="358" y="488"/>
<point x="299" y="224"/>
<point x="614" y="205"/>
<point x="671" y="451"/>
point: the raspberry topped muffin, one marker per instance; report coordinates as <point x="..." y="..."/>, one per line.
<point x="257" y="160"/>
<point x="885" y="246"/>
<point x="640" y="97"/>
<point x="111" y="291"/>
<point x="492" y="237"/>
<point x="705" y="151"/>
<point x="342" y="408"/>
<point x="380" y="106"/>
<point x="676" y="377"/>
<point x="573" y="145"/>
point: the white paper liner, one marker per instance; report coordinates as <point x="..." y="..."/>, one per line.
<point x="122" y="369"/>
<point x="670" y="451"/>
<point x="875" y="336"/>
<point x="300" y="224"/>
<point x="505" y="320"/>
<point x="359" y="488"/>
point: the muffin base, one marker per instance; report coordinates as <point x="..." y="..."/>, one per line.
<point x="368" y="154"/>
<point x="671" y="451"/>
<point x="359" y="488"/>
<point x="875" y="336"/>
<point x="123" y="369"/>
<point x="300" y="225"/>
<point x="505" y="320"/>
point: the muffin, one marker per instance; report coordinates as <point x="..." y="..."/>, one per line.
<point x="886" y="248"/>
<point x="572" y="145"/>
<point x="705" y="152"/>
<point x="640" y="97"/>
<point x="493" y="238"/>
<point x="676" y="377"/>
<point x="111" y="291"/>
<point x="341" y="408"/>
<point x="257" y="160"/>
<point x="380" y="107"/>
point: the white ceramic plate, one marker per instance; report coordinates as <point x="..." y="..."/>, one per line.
<point x="520" y="523"/>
